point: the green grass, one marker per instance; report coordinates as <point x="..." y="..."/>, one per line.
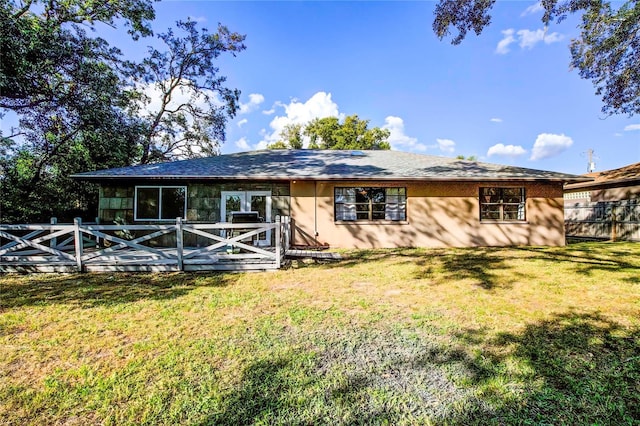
<point x="411" y="336"/>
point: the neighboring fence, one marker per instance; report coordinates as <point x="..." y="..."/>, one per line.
<point x="92" y="247"/>
<point x="616" y="221"/>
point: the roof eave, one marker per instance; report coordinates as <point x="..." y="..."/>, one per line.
<point x="335" y="178"/>
<point x="596" y="184"/>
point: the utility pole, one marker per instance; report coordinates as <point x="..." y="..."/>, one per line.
<point x="591" y="166"/>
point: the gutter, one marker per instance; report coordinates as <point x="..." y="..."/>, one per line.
<point x="566" y="180"/>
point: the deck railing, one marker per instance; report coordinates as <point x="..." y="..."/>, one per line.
<point x="162" y="247"/>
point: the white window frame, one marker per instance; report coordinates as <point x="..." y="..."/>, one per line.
<point x="522" y="205"/>
<point x="347" y="212"/>
<point x="159" y="188"/>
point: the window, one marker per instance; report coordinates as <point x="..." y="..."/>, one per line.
<point x="160" y="202"/>
<point x="502" y="204"/>
<point x="358" y="203"/>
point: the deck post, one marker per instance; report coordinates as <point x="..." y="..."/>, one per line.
<point x="77" y="222"/>
<point x="54" y="241"/>
<point x="287" y="235"/>
<point x="179" y="243"/>
<point x="97" y="238"/>
<point x="278" y="242"/>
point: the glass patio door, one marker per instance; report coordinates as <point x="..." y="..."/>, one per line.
<point x="248" y="201"/>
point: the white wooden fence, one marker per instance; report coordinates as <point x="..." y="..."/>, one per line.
<point x="93" y="247"/>
<point x="615" y="221"/>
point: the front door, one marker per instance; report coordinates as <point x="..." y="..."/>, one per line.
<point x="248" y="201"/>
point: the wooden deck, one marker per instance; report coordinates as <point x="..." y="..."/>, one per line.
<point x="313" y="254"/>
<point x="102" y="248"/>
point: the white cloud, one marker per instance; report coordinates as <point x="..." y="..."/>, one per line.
<point x="397" y="137"/>
<point x="528" y="38"/>
<point x="446" y="145"/>
<point x="269" y="111"/>
<point x="632" y="127"/>
<point x="534" y="8"/>
<point x="319" y="105"/>
<point x="243" y="144"/>
<point x="255" y="99"/>
<point x="242" y="122"/>
<point x="496" y="120"/>
<point x="503" y="45"/>
<point x="549" y="145"/>
<point x="617" y="134"/>
<point x="506" y="150"/>
<point x="198" y="19"/>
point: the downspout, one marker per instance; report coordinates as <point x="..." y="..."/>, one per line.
<point x="315" y="212"/>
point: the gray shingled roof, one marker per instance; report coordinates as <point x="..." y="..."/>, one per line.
<point x="327" y="165"/>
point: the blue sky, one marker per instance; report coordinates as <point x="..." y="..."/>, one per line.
<point x="506" y="96"/>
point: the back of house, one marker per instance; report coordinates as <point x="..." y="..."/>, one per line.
<point x="347" y="199"/>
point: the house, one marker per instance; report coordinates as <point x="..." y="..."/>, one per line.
<point x="607" y="207"/>
<point x="610" y="185"/>
<point x="348" y="199"/>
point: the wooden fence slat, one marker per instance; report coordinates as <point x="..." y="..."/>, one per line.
<point x="170" y="227"/>
<point x="609" y="220"/>
<point x="40" y="249"/>
<point x="126" y="243"/>
<point x="35" y="227"/>
<point x="19" y="246"/>
<point x="29" y="236"/>
<point x="32" y="243"/>
<point x="222" y="241"/>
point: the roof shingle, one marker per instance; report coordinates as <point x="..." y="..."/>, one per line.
<point x="328" y="165"/>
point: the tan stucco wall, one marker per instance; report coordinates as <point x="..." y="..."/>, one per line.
<point x="440" y="214"/>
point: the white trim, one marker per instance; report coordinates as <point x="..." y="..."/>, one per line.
<point x="160" y="188"/>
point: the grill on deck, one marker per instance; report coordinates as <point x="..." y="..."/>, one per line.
<point x="245" y="217"/>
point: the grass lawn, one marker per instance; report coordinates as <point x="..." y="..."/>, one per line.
<point x="465" y="336"/>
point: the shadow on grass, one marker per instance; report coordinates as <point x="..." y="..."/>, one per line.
<point x="441" y="265"/>
<point x="593" y="256"/>
<point x="571" y="369"/>
<point x="101" y="289"/>
<point x="583" y="369"/>
<point x="477" y="264"/>
<point x="481" y="263"/>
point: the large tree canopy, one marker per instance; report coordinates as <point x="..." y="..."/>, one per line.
<point x="193" y="102"/>
<point x="329" y="133"/>
<point x="69" y="94"/>
<point x="607" y="51"/>
<point x="81" y="106"/>
<point x="41" y="40"/>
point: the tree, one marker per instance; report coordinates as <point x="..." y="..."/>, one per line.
<point x="194" y="104"/>
<point x="606" y="52"/>
<point x="290" y="138"/>
<point x="353" y="133"/>
<point x="37" y="37"/>
<point x="68" y="94"/>
<point x="79" y="105"/>
<point x="469" y="158"/>
<point x="329" y="133"/>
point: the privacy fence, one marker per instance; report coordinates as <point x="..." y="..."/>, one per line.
<point x="175" y="246"/>
<point x="616" y="221"/>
